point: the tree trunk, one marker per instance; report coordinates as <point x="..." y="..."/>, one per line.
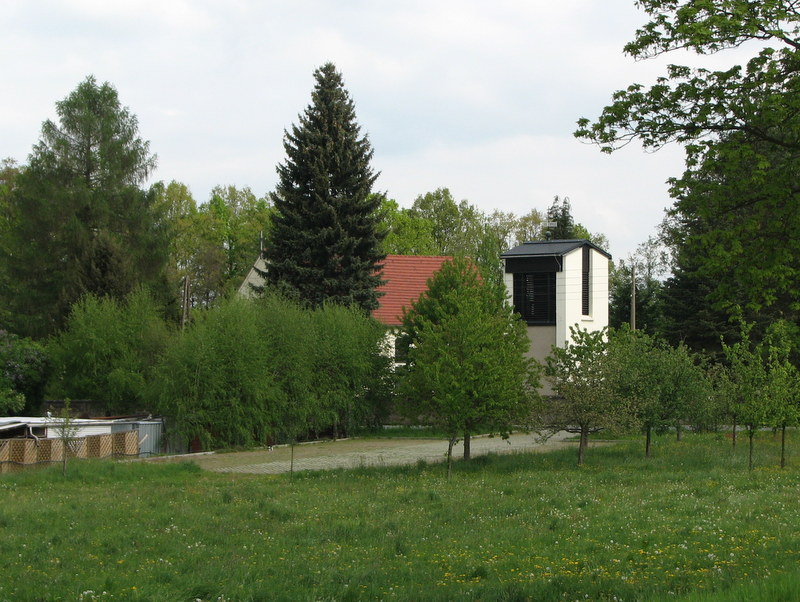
<point x="733" y="435"/>
<point x="678" y="432"/>
<point x="467" y="451"/>
<point x="751" y="431"/>
<point x="783" y="445"/>
<point x="648" y="437"/>
<point x="583" y="445"/>
<point x="185" y="312"/>
<point x="291" y="461"/>
<point x="450" y="445"/>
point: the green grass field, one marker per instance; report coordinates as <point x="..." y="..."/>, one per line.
<point x="692" y="522"/>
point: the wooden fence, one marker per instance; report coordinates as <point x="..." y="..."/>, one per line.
<point x="19" y="453"/>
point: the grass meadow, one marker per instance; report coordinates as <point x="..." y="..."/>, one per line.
<point x="689" y="523"/>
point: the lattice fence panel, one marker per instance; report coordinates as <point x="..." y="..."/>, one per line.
<point x="18" y="453"/>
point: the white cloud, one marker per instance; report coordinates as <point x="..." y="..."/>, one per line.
<point x="622" y="196"/>
<point x="480" y="97"/>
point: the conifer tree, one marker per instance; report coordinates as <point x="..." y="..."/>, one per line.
<point x="560" y="212"/>
<point x="324" y="244"/>
<point x="83" y="223"/>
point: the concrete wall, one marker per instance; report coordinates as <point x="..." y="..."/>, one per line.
<point x="599" y="290"/>
<point x="569" y="310"/>
<point x="542" y="339"/>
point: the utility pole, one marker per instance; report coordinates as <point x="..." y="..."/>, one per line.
<point x="185" y="312"/>
<point x="633" y="296"/>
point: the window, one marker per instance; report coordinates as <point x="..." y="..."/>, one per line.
<point x="585" y="305"/>
<point x="535" y="297"/>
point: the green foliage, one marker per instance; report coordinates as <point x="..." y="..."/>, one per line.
<point x="213" y="245"/>
<point x="688" y="523"/>
<point x="585" y="399"/>
<point x="784" y="382"/>
<point x="177" y="213"/>
<point x="66" y="431"/>
<point x="248" y="372"/>
<point x="734" y="228"/>
<point x="350" y="370"/>
<point x="82" y="223"/>
<point x="635" y="375"/>
<point x="650" y="264"/>
<point x="662" y="386"/>
<point x="528" y="227"/>
<point x="747" y="381"/>
<point x="455" y="226"/>
<point x="9" y="171"/>
<point x="760" y="382"/>
<point x="108" y="349"/>
<point x="466" y="366"/>
<point x="406" y="232"/>
<point x="24" y="370"/>
<point x="241" y="218"/>
<point x="560" y="212"/>
<point x="689" y="315"/>
<point x="214" y="382"/>
<point x="693" y="105"/>
<point x="438" y="225"/>
<point x="325" y="237"/>
<point x="648" y="299"/>
<point x="11" y="401"/>
<point x="734" y="223"/>
<point x="290" y="360"/>
<point x="462" y="230"/>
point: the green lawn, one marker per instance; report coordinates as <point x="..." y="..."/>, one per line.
<point x="692" y="521"/>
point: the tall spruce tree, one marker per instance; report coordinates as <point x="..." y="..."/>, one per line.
<point x="325" y="238"/>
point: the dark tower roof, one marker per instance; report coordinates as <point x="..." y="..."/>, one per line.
<point x="551" y="248"/>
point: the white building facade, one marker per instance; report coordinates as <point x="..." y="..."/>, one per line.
<point x="556" y="284"/>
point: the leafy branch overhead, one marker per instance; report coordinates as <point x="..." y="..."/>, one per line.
<point x="734" y="227"/>
<point x="695" y="106"/>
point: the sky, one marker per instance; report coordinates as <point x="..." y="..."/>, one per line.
<point x="479" y="97"/>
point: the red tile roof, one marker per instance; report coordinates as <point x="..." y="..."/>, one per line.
<point x="406" y="279"/>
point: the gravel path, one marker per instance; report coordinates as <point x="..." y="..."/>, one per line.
<point x="354" y="453"/>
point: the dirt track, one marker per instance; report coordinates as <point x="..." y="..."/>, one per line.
<point x="353" y="453"/>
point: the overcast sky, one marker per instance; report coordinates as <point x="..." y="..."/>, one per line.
<point x="480" y="97"/>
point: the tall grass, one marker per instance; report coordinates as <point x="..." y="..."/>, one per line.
<point x="690" y="522"/>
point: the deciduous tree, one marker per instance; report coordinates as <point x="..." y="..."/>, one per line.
<point x="662" y="385"/>
<point x="216" y="382"/>
<point x="585" y="399"/>
<point x="466" y="366"/>
<point x="756" y="382"/>
<point x="698" y="106"/>
<point x="350" y="370"/>
<point x="649" y="265"/>
<point x="406" y="232"/>
<point x="24" y="371"/>
<point x="736" y="223"/>
<point x="108" y="350"/>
